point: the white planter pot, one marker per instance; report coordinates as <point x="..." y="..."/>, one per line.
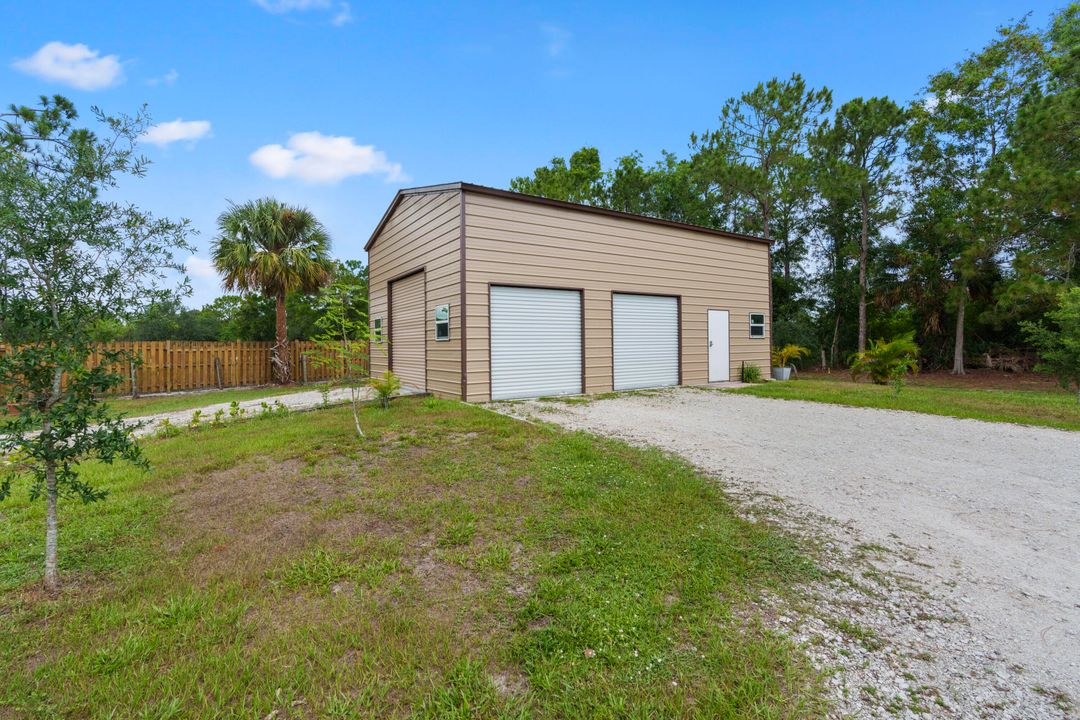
<point x="783" y="373"/>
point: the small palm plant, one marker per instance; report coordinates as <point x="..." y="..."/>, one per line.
<point x="783" y="357"/>
<point x="888" y="363"/>
<point x="385" y="386"/>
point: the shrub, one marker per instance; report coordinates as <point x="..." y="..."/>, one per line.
<point x="385" y="386"/>
<point x="751" y="374"/>
<point x="782" y="357"/>
<point x="887" y="362"/>
<point x="1059" y="347"/>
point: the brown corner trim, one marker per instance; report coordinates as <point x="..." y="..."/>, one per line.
<point x="464" y="321"/>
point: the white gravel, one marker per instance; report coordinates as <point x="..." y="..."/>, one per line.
<point x="969" y="533"/>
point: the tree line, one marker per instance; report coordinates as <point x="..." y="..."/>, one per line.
<point x="250" y="316"/>
<point x="952" y="216"/>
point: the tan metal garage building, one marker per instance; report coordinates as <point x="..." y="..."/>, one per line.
<point x="487" y="294"/>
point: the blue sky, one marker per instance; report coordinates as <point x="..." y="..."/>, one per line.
<point x="335" y="105"/>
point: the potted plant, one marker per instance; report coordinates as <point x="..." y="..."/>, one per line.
<point x="782" y="359"/>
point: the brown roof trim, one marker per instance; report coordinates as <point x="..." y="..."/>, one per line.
<point x="536" y="200"/>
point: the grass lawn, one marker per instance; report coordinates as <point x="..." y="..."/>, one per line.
<point x="454" y="563"/>
<point x="1043" y="406"/>
<point x="153" y="404"/>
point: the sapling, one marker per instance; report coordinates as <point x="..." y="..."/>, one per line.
<point x="73" y="255"/>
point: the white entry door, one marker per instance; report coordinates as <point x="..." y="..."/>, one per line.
<point x="719" y="352"/>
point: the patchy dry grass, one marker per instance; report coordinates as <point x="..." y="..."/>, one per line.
<point x="453" y="563"/>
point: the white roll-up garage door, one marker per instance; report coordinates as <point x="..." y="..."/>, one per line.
<point x="535" y="342"/>
<point x="646" y="341"/>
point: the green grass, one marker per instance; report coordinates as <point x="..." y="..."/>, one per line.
<point x="1029" y="407"/>
<point x="153" y="404"/>
<point x="454" y="563"/>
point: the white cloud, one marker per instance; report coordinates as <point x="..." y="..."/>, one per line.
<point x="556" y="39"/>
<point x="344" y="15"/>
<point x="74" y="65"/>
<point x="342" y="10"/>
<point x="176" y="130"/>
<point x="200" y="268"/>
<point x="168" y="78"/>
<point x="317" y="158"/>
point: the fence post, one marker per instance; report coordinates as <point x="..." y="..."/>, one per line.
<point x="217" y="372"/>
<point x="134" y="380"/>
<point x="303" y="367"/>
<point x="168" y="367"/>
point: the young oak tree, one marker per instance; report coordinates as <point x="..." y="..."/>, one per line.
<point x="1059" y="344"/>
<point x="343" y="338"/>
<point x="71" y="257"/>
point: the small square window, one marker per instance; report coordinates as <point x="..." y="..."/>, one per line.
<point x="442" y="322"/>
<point x="376" y="329"/>
<point x="757" y="325"/>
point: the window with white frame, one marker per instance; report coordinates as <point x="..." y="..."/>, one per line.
<point x="442" y="322"/>
<point x="376" y="329"/>
<point x="757" y="325"/>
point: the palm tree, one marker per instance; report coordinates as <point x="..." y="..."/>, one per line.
<point x="268" y="247"/>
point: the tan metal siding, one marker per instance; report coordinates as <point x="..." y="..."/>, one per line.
<point x="407" y="353"/>
<point x="423" y="232"/>
<point x="522" y="243"/>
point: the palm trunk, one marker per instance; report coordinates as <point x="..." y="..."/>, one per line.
<point x="864" y="251"/>
<point x="958" y="346"/>
<point x="282" y="371"/>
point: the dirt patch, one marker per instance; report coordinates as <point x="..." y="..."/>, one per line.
<point x="246" y="517"/>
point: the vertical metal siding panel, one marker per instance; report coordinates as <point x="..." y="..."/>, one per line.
<point x="646" y="341"/>
<point x="535" y="342"/>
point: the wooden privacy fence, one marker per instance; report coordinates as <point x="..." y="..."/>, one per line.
<point x="172" y="365"/>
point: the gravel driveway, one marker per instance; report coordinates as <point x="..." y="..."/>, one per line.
<point x="985" y="517"/>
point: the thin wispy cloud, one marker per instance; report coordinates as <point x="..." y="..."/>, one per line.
<point x="324" y="159"/>
<point x="200" y="268"/>
<point x="178" y="130"/>
<point x="342" y="11"/>
<point x="556" y="39"/>
<point x="344" y="15"/>
<point x="168" y="79"/>
<point x="75" y="65"/>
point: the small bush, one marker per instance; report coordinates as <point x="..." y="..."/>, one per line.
<point x="385" y="386"/>
<point x="235" y="411"/>
<point x="167" y="429"/>
<point x="751" y="374"/>
<point x="887" y="362"/>
<point x="196" y="420"/>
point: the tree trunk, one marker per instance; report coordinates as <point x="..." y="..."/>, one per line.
<point x="864" y="251"/>
<point x="958" y="346"/>
<point x="835" y="340"/>
<point x="280" y="360"/>
<point x="52" y="577"/>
